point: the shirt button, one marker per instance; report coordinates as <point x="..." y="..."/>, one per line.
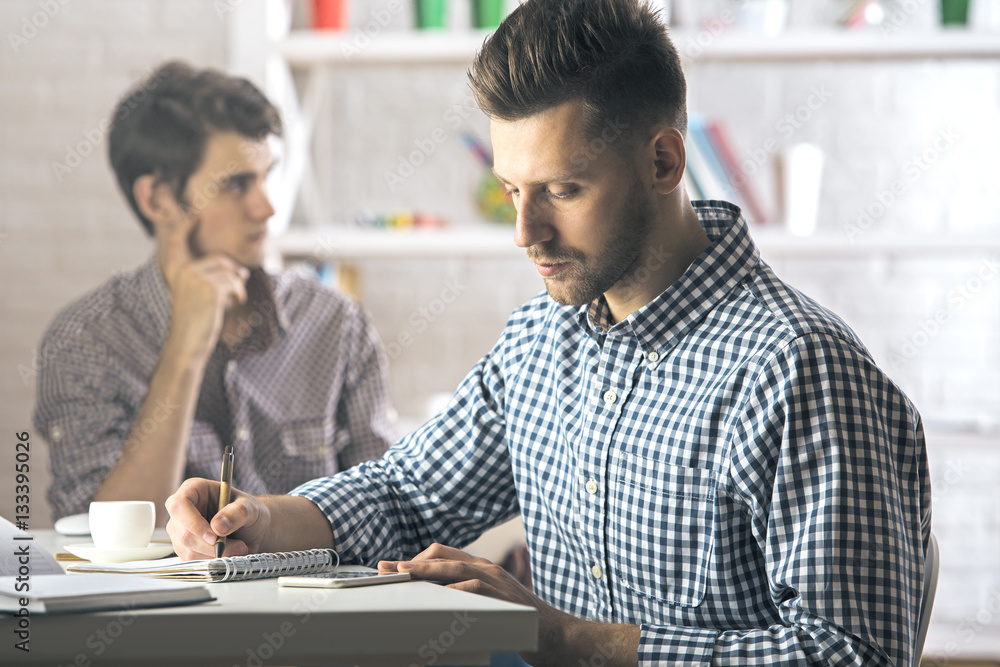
<point x="610" y="397"/>
<point x="652" y="357"/>
<point x="242" y="433"/>
<point x="56" y="433"/>
<point x="231" y="366"/>
<point x="596" y="571"/>
<point x="591" y="486"/>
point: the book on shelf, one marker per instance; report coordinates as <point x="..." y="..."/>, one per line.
<point x="227" y="568"/>
<point x="713" y="169"/>
<point x="32" y="582"/>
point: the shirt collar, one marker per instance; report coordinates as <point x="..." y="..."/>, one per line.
<point x="659" y="324"/>
<point x="261" y="289"/>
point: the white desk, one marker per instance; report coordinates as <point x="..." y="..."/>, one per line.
<point x="258" y="623"/>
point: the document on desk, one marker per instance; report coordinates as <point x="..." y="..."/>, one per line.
<point x="227" y="568"/>
<point x="19" y="552"/>
<point x="32" y="582"/>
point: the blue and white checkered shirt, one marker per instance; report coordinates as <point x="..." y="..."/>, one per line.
<point x="726" y="468"/>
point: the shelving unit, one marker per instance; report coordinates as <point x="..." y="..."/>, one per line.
<point x="339" y="243"/>
<point x="306" y="49"/>
<point x="311" y="55"/>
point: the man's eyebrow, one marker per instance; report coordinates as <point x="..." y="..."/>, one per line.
<point x="246" y="175"/>
<point x="563" y="176"/>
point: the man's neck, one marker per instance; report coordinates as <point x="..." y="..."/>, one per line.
<point x="667" y="254"/>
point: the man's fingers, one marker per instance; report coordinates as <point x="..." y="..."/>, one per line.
<point x="479" y="587"/>
<point x="448" y="571"/>
<point x="440" y="551"/>
<point x="243" y="511"/>
<point x="188" y="505"/>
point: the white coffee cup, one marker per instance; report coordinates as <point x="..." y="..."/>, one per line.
<point x="122" y="524"/>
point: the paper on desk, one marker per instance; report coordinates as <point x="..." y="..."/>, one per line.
<point x="13" y="551"/>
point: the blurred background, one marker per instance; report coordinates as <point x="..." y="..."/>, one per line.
<point x="860" y="138"/>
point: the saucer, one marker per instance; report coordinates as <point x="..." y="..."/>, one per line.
<point x="89" y="551"/>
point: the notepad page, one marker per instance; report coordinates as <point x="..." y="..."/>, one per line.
<point x="13" y="543"/>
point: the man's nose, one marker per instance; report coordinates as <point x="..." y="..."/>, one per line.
<point x="531" y="226"/>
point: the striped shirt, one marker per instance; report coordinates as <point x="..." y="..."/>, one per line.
<point x="302" y="396"/>
<point x="726" y="468"/>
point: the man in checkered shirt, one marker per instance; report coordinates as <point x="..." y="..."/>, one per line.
<point x="144" y="380"/>
<point x="710" y="467"/>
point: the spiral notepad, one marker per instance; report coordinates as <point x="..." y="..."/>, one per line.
<point x="228" y="568"/>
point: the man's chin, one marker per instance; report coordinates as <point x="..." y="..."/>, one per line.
<point x="566" y="297"/>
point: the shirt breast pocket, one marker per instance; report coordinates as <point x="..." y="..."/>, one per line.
<point x="663" y="529"/>
<point x="309" y="449"/>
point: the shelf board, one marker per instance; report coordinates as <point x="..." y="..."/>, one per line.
<point x="306" y="48"/>
<point x="496" y="242"/>
<point x="346" y="243"/>
<point x="796" y="45"/>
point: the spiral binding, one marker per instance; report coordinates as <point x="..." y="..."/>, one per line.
<point x="263" y="566"/>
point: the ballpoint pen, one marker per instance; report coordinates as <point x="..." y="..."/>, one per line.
<point x="224" y="491"/>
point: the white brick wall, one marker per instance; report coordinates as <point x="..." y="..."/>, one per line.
<point x="59" y="238"/>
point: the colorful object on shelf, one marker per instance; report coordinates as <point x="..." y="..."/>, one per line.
<point x="491" y="197"/>
<point x="712" y="170"/>
<point x="864" y="13"/>
<point x="430" y="14"/>
<point x="487" y="14"/>
<point x="399" y="220"/>
<point x="492" y="200"/>
<point x="330" y="14"/>
<point x="954" y="12"/>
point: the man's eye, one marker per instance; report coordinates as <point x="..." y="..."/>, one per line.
<point x="238" y="186"/>
<point x="563" y="194"/>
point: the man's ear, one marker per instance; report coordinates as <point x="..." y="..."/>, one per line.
<point x="156" y="200"/>
<point x="669" y="158"/>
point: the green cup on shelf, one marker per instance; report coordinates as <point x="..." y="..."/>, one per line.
<point x="487" y="14"/>
<point x="430" y="13"/>
<point x="954" y="12"/>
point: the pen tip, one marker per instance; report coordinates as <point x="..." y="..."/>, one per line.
<point x="219" y="548"/>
